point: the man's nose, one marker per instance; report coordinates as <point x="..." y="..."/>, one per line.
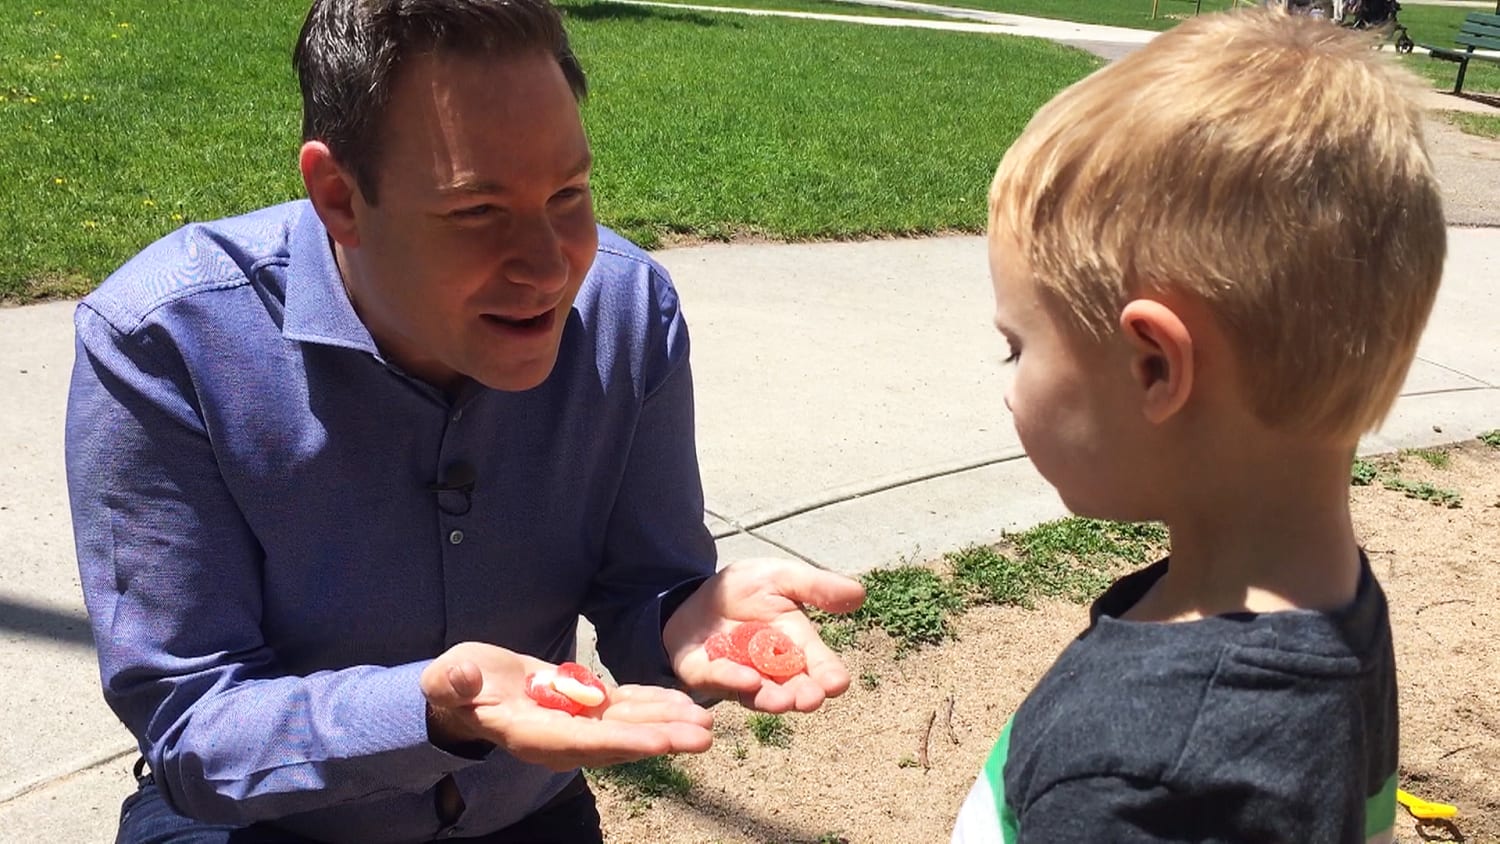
<point x="536" y="257"/>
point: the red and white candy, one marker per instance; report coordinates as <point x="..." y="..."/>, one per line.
<point x="570" y="687"/>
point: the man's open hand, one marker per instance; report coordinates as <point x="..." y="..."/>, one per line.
<point x="773" y="591"/>
<point x="477" y="692"/>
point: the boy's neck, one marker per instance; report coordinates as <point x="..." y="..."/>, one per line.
<point x="1262" y="535"/>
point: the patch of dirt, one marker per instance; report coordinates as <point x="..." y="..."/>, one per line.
<point x="892" y="760"/>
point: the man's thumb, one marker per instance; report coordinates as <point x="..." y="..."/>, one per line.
<point x="456" y="686"/>
<point x="823" y="589"/>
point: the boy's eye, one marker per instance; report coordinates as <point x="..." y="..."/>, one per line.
<point x="1015" y="354"/>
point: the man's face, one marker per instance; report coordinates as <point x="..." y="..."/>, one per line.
<point x="484" y="227"/>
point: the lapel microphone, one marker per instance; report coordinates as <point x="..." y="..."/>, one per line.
<point x="458" y="477"/>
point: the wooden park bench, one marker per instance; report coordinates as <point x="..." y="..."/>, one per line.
<point x="1479" y="30"/>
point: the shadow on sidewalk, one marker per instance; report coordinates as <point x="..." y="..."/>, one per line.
<point x="44" y="623"/>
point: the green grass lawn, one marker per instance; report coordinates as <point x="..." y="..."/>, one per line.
<point x="721" y="125"/>
<point x="1483" y="125"/>
<point x="119" y="121"/>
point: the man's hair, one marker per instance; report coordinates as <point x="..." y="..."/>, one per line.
<point x="350" y="52"/>
<point x="1271" y="167"/>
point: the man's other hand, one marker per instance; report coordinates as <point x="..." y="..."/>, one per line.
<point x="773" y="591"/>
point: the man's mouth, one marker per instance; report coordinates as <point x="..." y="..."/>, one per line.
<point x="535" y="323"/>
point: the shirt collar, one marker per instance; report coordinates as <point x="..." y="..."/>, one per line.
<point x="317" y="306"/>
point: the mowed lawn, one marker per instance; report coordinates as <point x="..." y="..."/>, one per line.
<point x="120" y="121"/>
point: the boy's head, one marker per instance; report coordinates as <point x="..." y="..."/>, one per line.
<point x="1246" y="206"/>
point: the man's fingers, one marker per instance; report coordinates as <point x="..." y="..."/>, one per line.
<point x="660" y="712"/>
<point x="568" y="743"/>
<point x="719" y="677"/>
<point x="826" y="669"/>
<point x="633" y="693"/>
<point x="807" y="693"/>
<point x="825" y="590"/>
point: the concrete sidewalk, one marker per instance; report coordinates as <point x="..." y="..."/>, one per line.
<point x="1105" y="40"/>
<point x="850" y="414"/>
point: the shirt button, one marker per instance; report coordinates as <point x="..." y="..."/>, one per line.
<point x="457" y="415"/>
<point x="456" y="537"/>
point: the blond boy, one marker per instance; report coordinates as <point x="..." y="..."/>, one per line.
<point x="1212" y="261"/>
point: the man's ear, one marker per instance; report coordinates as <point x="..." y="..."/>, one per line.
<point x="1161" y="357"/>
<point x="333" y="192"/>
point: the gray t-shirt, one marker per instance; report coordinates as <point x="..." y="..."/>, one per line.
<point x="1245" y="727"/>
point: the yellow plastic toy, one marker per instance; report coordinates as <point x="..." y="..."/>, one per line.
<point x="1424" y="809"/>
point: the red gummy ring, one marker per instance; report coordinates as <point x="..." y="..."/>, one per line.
<point x="718" y="646"/>
<point x="775" y="655"/>
<point x="739" y="640"/>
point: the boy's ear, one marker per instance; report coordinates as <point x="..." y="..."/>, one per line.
<point x="1161" y="359"/>
<point x="332" y="191"/>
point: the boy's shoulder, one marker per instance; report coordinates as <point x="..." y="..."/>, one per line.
<point x="1241" y="705"/>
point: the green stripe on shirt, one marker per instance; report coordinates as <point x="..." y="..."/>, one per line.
<point x="994" y="773"/>
<point x="1380" y="810"/>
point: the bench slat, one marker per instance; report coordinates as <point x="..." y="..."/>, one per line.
<point x="1479" y="43"/>
<point x="1491" y="31"/>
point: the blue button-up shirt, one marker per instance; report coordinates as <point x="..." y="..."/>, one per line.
<point x="266" y="569"/>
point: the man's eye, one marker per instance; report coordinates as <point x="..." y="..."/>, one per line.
<point x="570" y="194"/>
<point x="1015" y="355"/>
<point x="473" y="212"/>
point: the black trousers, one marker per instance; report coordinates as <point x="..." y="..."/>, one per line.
<point x="146" y="818"/>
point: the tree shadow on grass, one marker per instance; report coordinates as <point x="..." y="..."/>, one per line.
<point x="603" y="10"/>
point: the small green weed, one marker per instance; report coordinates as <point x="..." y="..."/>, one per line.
<point x="643" y="780"/>
<point x="911" y="603"/>
<point x="1423" y="491"/>
<point x="832" y="838"/>
<point x="837" y="633"/>
<point x="989" y="577"/>
<point x="1076" y="558"/>
<point x="740" y="752"/>
<point x="907" y="761"/>
<point x="869" y="681"/>
<point x="1437" y="458"/>
<point x="1491" y="438"/>
<point x="770" y="730"/>
<point x="1363" y="473"/>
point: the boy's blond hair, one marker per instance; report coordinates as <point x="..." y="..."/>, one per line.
<point x="1271" y="166"/>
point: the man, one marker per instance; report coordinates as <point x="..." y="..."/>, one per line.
<point x="343" y="471"/>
